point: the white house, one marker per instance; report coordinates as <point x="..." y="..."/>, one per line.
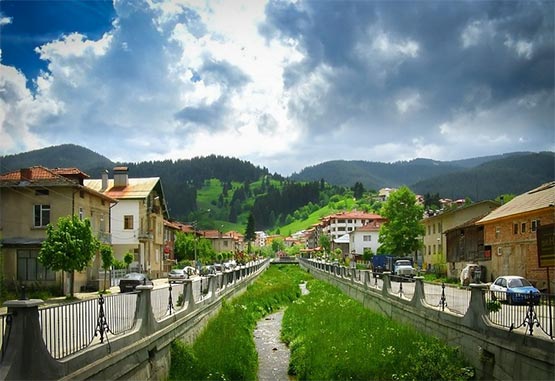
<point x="137" y="220"/>
<point x="339" y="224"/>
<point x="365" y="237"/>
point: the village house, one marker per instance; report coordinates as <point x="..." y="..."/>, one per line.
<point x="365" y="238"/>
<point x="30" y="199"/>
<point x="338" y="224"/>
<point x="510" y="235"/>
<point x="434" y="241"/>
<point x="170" y="230"/>
<point x="137" y="220"/>
<point x="220" y="241"/>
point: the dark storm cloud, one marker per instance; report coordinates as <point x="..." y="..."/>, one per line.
<point x="457" y="55"/>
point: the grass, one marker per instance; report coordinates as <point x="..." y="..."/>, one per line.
<point x="225" y="350"/>
<point x="313" y="218"/>
<point x="333" y="337"/>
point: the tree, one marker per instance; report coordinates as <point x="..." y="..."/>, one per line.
<point x="250" y="234"/>
<point x="69" y="246"/>
<point x="128" y="259"/>
<point x="107" y="256"/>
<point x="358" y="190"/>
<point x="278" y="245"/>
<point x="325" y="243"/>
<point x="400" y="235"/>
<point x="184" y="246"/>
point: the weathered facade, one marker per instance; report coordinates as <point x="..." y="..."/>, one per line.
<point x="30" y="199"/>
<point x="510" y="235"/>
<point x="435" y="242"/>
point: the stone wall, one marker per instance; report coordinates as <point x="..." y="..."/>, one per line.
<point x="141" y="354"/>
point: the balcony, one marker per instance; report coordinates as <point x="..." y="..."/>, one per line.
<point x="104" y="237"/>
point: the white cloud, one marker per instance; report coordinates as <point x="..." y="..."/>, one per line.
<point x="5" y="20"/>
<point x="409" y="102"/>
<point x="477" y="32"/>
<point x="521" y="47"/>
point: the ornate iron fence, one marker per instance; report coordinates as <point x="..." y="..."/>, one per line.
<point x="68" y="328"/>
<point x="530" y="314"/>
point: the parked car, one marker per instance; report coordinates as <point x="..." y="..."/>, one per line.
<point x="177" y="275"/>
<point x="208" y="270"/>
<point x="132" y="280"/>
<point x="190" y="271"/>
<point x="514" y="289"/>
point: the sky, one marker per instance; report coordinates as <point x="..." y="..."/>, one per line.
<point x="282" y="84"/>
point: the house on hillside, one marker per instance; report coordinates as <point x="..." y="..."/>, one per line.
<point x="434" y="241"/>
<point x="510" y="235"/>
<point x="30" y="199"/>
<point x="365" y="238"/>
<point x="137" y="220"/>
<point x="338" y="224"/>
<point x="220" y="241"/>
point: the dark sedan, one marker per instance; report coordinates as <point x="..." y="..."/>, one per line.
<point x="132" y="280"/>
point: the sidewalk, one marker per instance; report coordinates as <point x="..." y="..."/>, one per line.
<point x="158" y="283"/>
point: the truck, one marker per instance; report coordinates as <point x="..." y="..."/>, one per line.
<point x="400" y="267"/>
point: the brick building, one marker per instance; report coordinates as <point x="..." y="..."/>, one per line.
<point x="510" y="235"/>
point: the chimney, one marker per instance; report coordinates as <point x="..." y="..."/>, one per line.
<point x="120" y="177"/>
<point x="26" y="174"/>
<point x="104" y="180"/>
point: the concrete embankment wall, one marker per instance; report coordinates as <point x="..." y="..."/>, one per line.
<point x="141" y="354"/>
<point x="495" y="353"/>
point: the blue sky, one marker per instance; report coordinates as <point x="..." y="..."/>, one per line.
<point x="283" y="84"/>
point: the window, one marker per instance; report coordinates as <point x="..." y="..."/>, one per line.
<point x="30" y="269"/>
<point x="497" y="231"/>
<point x="367" y="238"/>
<point x="515" y="228"/>
<point x="434" y="228"/>
<point x="41" y="215"/>
<point x="429" y="230"/>
<point x="439" y="228"/>
<point x="42" y="192"/>
<point x="128" y="222"/>
<point x="429" y="250"/>
<point x="82" y="194"/>
<point x="535" y="225"/>
<point x="523" y="227"/>
<point x="81" y="214"/>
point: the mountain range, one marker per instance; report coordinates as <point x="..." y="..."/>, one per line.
<point x="478" y="178"/>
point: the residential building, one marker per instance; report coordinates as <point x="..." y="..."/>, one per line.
<point x="30" y="199"/>
<point x="339" y="224"/>
<point x="170" y="229"/>
<point x="137" y="220"/>
<point x="465" y="245"/>
<point x="510" y="235"/>
<point x="221" y="242"/>
<point x="383" y="194"/>
<point x="365" y="238"/>
<point x="434" y="256"/>
<point x="260" y="239"/>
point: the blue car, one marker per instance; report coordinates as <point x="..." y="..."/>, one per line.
<point x="514" y="290"/>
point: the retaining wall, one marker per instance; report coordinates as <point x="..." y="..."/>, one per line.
<point x="495" y="353"/>
<point x="141" y="354"/>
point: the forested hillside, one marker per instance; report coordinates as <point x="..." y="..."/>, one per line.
<point x="375" y="175"/>
<point x="511" y="175"/>
<point x="220" y="192"/>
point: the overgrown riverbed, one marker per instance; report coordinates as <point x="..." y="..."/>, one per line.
<point x="331" y="337"/>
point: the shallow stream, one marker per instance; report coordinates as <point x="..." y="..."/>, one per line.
<point x="273" y="354"/>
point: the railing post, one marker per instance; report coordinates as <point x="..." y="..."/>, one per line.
<point x="475" y="317"/>
<point x="386" y="279"/>
<point x="26" y="356"/>
<point x="145" y="317"/>
<point x="419" y="295"/>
